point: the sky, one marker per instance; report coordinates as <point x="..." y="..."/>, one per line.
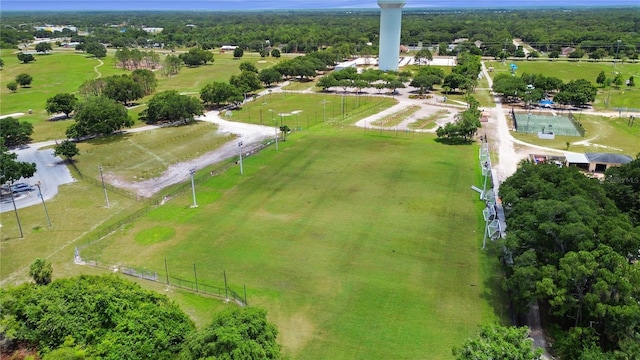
<point x="228" y="5"/>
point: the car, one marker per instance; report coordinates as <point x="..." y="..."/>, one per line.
<point x="20" y="188"/>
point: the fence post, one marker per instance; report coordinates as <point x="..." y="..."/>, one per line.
<point x="166" y="269"/>
<point x="226" y="291"/>
<point x="195" y="275"/>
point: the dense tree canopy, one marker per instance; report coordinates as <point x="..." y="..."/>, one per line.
<point x="196" y="57"/>
<point x="577" y="93"/>
<point x="123" y="88"/>
<point x="218" y="93"/>
<point x="170" y="106"/>
<point x="234" y="334"/>
<point x="498" y="342"/>
<point x="571" y="247"/>
<point x="14" y="132"/>
<point x="98" y="115"/>
<point x="61" y="103"/>
<point x="112" y="318"/>
<point x="622" y="184"/>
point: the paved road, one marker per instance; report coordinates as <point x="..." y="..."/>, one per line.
<point x="51" y="173"/>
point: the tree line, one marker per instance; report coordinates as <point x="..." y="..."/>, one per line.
<point x="611" y="32"/>
<point x="573" y="245"/>
<point x="107" y="317"/>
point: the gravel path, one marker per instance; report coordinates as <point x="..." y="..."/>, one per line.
<point x="251" y="135"/>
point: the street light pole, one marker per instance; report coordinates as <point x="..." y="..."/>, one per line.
<point x="240" y="151"/>
<point x="43" y="204"/>
<point x="192" y="171"/>
<point x="275" y="125"/>
<point x="15" y="209"/>
<point x="104" y="187"/>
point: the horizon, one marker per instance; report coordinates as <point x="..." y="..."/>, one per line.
<point x="261" y="5"/>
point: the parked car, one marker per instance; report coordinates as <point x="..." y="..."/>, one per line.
<point x="21" y="187"/>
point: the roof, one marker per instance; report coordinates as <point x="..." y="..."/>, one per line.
<point x="608" y="158"/>
<point x="575" y="158"/>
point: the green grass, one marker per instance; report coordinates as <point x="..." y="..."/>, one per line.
<point x="341" y="239"/>
<point x="569" y="70"/>
<point x="65" y="70"/>
<point x="298" y="110"/>
<point x="613" y="133"/>
<point x="143" y="155"/>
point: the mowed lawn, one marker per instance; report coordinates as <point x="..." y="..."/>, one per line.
<point x="359" y="246"/>
<point x="618" y="97"/>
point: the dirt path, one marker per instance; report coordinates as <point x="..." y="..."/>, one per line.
<point x="95" y="68"/>
<point x="249" y="134"/>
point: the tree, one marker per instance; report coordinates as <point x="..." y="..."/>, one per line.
<point x="601" y="78"/>
<point x="11" y="169"/>
<point x="326" y="82"/>
<point x="120" y="320"/>
<point x="24" y="80"/>
<point x="424" y="81"/>
<point x="1" y="63"/>
<point x="43" y="47"/>
<point x="25" y="58"/>
<point x="577" y="93"/>
<point x="498" y="342"/>
<point x="95" y="48"/>
<point x="171" y="65"/>
<point x="554" y="54"/>
<point x="424" y="54"/>
<point x="509" y="86"/>
<point x="246" y="82"/>
<point x="170" y="106"/>
<point x="196" y="57"/>
<point x="235" y="333"/>
<point x="248" y="66"/>
<point x="98" y="115"/>
<point x="122" y="89"/>
<point x="269" y="76"/>
<point x="217" y="93"/>
<point x="14" y="132"/>
<point x="66" y="148"/>
<point x="275" y="53"/>
<point x="454" y="81"/>
<point x="146" y="79"/>
<point x="41" y="271"/>
<point x="12" y="85"/>
<point x="61" y="103"/>
<point x="631" y="82"/>
<point x="238" y="53"/>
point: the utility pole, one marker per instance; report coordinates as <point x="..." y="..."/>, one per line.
<point x="43" y="204"/>
<point x="104" y="186"/>
<point x="192" y="171"/>
<point x="240" y="151"/>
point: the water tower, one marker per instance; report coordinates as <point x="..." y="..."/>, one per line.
<point x="390" y="23"/>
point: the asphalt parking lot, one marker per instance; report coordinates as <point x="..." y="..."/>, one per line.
<point x="51" y="172"/>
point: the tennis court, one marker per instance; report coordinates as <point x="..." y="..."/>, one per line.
<point x="557" y="124"/>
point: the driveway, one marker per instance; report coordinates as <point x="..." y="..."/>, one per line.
<point x="51" y="172"/>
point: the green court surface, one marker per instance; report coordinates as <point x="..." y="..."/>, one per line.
<point x="531" y="123"/>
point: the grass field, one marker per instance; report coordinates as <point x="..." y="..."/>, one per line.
<point x="623" y="97"/>
<point x="298" y="110"/>
<point x="349" y="240"/>
<point x="52" y="75"/>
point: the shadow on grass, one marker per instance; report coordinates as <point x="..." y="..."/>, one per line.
<point x="104" y="140"/>
<point x="453" y="141"/>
